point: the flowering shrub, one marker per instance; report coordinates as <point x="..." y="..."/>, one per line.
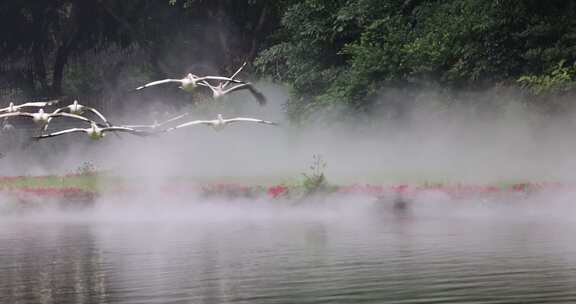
<point x="78" y="189"/>
<point x="315" y="180"/>
<point x="276" y="191"/>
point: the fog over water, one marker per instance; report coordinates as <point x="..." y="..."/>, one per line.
<point x="465" y="143"/>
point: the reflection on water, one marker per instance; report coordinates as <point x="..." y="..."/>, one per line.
<point x="357" y="259"/>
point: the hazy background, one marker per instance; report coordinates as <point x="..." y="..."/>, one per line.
<point x="460" y="143"/>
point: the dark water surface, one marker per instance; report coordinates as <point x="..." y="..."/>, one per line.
<point x="363" y="258"/>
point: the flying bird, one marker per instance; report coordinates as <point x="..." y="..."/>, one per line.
<point x="94" y="132"/>
<point x="42" y="118"/>
<point x="11" y="108"/>
<point x="220" y="123"/>
<point x="220" y="90"/>
<point x="77" y="109"/>
<point x="188" y="83"/>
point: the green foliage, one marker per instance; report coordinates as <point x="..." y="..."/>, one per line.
<point x="347" y="52"/>
<point x="315" y="180"/>
<point x="558" y="79"/>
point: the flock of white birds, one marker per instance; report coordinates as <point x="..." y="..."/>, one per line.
<point x="97" y="130"/>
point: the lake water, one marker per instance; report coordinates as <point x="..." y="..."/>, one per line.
<point x="234" y="255"/>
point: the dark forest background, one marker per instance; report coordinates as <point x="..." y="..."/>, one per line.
<point x="329" y="53"/>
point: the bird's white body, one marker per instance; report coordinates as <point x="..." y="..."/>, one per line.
<point x="41" y="118"/>
<point x="11" y="108"/>
<point x="95" y="132"/>
<point x="189" y="83"/>
<point x="219" y="123"/>
<point x="76" y="108"/>
<point x="220" y="90"/>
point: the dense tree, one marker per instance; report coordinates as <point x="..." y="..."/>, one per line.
<point x="345" y="52"/>
<point x="329" y="52"/>
<point x="47" y="33"/>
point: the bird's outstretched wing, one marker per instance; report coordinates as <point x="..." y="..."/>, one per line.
<point x="60" y="110"/>
<point x="127" y="130"/>
<point x="191" y="123"/>
<point x="207" y="84"/>
<point x="137" y="126"/>
<point x="156" y="124"/>
<point x="97" y="113"/>
<point x="173" y="119"/>
<point x="246" y="119"/>
<point x="234" y="75"/>
<point x="221" y="78"/>
<point x="153" y="83"/>
<point x="260" y="98"/>
<point x="69" y="115"/>
<point x="38" y="104"/>
<point x="73" y="130"/>
<point x="16" y="114"/>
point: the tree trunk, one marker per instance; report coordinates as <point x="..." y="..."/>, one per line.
<point x="219" y="17"/>
<point x="38" y="75"/>
<point x="257" y="32"/>
<point x="39" y="67"/>
<point x="59" y="65"/>
<point x="64" y="50"/>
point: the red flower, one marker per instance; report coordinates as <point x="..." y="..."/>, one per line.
<point x="275" y="191"/>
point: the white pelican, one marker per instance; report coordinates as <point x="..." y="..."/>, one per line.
<point x="94" y="132"/>
<point x="157" y="124"/>
<point x="41" y="118"/>
<point x="219" y="123"/>
<point x="188" y="83"/>
<point x="11" y="108"/>
<point x="78" y="109"/>
<point x="220" y="90"/>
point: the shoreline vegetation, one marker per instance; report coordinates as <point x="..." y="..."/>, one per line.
<point x="83" y="190"/>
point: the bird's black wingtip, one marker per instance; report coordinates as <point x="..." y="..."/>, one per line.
<point x="261" y="99"/>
